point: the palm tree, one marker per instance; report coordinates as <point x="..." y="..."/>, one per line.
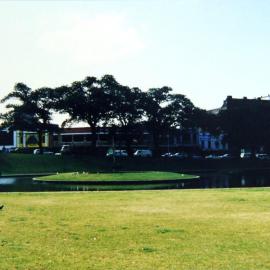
<point x="30" y="111"/>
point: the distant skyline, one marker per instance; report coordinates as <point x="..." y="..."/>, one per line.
<point x="205" y="50"/>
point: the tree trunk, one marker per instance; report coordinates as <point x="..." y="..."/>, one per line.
<point x="128" y="140"/>
<point x="156" y="143"/>
<point x="94" y="139"/>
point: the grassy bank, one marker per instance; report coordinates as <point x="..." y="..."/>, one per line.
<point x="115" y="177"/>
<point x="27" y="163"/>
<point x="187" y="229"/>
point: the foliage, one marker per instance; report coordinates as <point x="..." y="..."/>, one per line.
<point x="84" y="101"/>
<point x="165" y="111"/>
<point x="31" y="110"/>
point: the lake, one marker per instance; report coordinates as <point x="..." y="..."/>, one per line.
<point x="225" y="179"/>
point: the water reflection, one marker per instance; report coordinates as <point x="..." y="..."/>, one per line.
<point x="7" y="181"/>
<point x="254" y="178"/>
<point x="249" y="178"/>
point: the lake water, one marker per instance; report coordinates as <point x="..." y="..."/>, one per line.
<point x="254" y="178"/>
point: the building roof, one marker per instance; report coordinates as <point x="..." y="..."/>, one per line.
<point x="231" y="102"/>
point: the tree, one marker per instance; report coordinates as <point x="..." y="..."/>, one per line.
<point x="84" y="101"/>
<point x="126" y="111"/>
<point x="165" y="111"/>
<point x="30" y="111"/>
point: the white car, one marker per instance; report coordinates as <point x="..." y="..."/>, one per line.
<point x="263" y="156"/>
<point x="246" y="155"/>
<point x="143" y="153"/>
<point x="212" y="157"/>
<point x="168" y="154"/>
<point x="45" y="152"/>
<point x="117" y="153"/>
<point x="65" y="149"/>
<point x="180" y="155"/>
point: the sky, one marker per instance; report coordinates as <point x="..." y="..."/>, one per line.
<point x="205" y="50"/>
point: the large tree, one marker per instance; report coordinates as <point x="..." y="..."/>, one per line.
<point x="85" y="101"/>
<point x="165" y="111"/>
<point x="126" y="109"/>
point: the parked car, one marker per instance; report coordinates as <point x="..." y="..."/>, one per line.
<point x="226" y="156"/>
<point x="143" y="153"/>
<point x="245" y="155"/>
<point x="167" y="155"/>
<point x="13" y="149"/>
<point x="117" y="153"/>
<point x="197" y="157"/>
<point x="180" y="155"/>
<point x="45" y="152"/>
<point x="263" y="156"/>
<point x="212" y="157"/>
<point x="66" y="149"/>
<point x="8" y="149"/>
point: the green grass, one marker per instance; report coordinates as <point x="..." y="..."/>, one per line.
<point x="28" y="163"/>
<point x="175" y="229"/>
<point x="116" y="177"/>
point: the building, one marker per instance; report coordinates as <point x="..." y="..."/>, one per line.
<point x="211" y="143"/>
<point x="173" y="141"/>
<point x="82" y="136"/>
<point x="22" y="139"/>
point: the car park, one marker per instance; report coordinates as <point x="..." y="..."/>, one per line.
<point x="143" y="153"/>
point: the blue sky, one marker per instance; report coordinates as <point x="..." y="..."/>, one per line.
<point x="203" y="49"/>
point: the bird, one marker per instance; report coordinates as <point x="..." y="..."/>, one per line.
<point x="1" y="207"/>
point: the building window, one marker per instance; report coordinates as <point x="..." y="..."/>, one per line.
<point x="202" y="144"/>
<point x="78" y="138"/>
<point x="88" y="138"/>
<point x="67" y="138"/>
<point x="55" y="138"/>
<point x="194" y="138"/>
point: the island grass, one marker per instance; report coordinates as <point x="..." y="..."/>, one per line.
<point x="175" y="229"/>
<point x="115" y="177"/>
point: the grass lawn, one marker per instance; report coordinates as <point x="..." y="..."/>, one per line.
<point x="116" y="177"/>
<point x="28" y="163"/>
<point x="172" y="229"/>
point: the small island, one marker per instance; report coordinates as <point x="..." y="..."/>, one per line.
<point x="117" y="177"/>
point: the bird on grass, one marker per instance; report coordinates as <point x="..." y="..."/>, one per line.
<point x="1" y="207"/>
